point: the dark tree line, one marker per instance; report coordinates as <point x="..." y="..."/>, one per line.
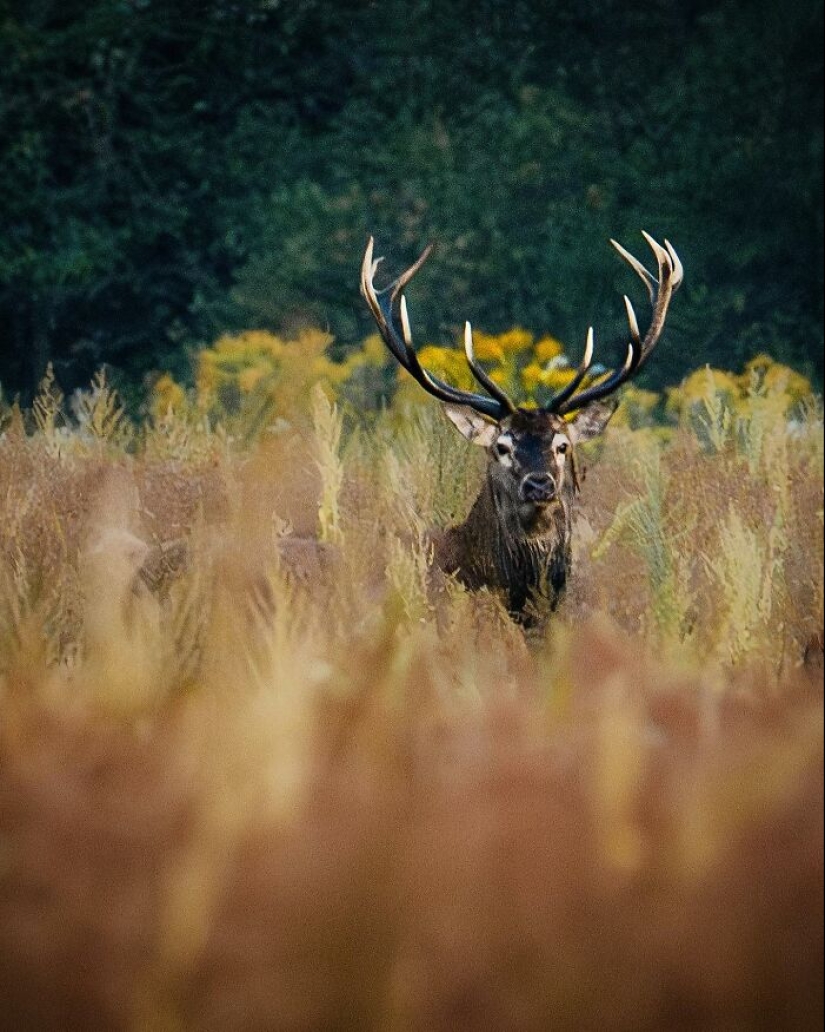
<point x="172" y="171"/>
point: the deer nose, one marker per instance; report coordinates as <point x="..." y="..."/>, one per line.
<point x="537" y="487"/>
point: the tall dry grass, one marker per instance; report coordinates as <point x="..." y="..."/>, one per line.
<point x="252" y="780"/>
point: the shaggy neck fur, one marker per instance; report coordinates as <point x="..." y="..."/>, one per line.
<point x="493" y="547"/>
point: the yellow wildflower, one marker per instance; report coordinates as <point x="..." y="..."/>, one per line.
<point x="206" y="378"/>
<point x="260" y="342"/>
<point x="637" y="408"/>
<point x="760" y="364"/>
<point x="374" y="351"/>
<point x="322" y="369"/>
<point x="765" y="375"/>
<point x="695" y="387"/>
<point x="782" y="379"/>
<point x="532" y="377"/>
<point x="248" y="379"/>
<point x="488" y="348"/>
<point x="448" y="364"/>
<point x="167" y="396"/>
<point x="313" y="342"/>
<point x="547" y="349"/>
<point x="556" y="377"/>
<point x="515" y="340"/>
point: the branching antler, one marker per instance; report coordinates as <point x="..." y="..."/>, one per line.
<point x="661" y="289"/>
<point x="397" y="335"/>
<point x="382" y="303"/>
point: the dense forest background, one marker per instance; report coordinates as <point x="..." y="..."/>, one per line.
<point x="173" y="171"/>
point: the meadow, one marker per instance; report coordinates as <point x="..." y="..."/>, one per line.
<point x="258" y="772"/>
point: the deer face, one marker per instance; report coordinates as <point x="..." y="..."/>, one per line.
<point x="532" y="469"/>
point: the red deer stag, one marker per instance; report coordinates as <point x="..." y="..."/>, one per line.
<point x="517" y="536"/>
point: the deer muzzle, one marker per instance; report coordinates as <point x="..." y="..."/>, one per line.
<point x="537" y="488"/>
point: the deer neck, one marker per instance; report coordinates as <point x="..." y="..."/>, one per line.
<point x="493" y="549"/>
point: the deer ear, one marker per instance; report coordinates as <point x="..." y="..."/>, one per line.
<point x="591" y="421"/>
<point x="470" y="424"/>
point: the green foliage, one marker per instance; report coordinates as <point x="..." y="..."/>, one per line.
<point x="170" y="173"/>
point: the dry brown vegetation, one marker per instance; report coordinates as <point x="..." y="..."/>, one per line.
<point x="256" y="774"/>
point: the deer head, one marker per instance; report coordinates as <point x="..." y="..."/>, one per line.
<point x="521" y="522"/>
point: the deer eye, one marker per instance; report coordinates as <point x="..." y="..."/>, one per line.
<point x="504" y="447"/>
<point x="562" y="448"/>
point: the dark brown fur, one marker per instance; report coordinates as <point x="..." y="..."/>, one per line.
<point x="512" y="542"/>
<point x="482" y="554"/>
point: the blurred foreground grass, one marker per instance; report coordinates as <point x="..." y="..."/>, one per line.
<point x="255" y="773"/>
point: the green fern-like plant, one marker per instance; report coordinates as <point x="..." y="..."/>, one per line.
<point x="328" y="424"/>
<point x="100" y="415"/>
<point x="47" y="413"/>
<point x="643" y="525"/>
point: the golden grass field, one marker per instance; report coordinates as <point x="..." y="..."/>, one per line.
<point x="258" y="773"/>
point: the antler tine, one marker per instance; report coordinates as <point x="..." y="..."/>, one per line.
<point x="641" y="271"/>
<point x="607" y="386"/>
<point x="441" y="390"/>
<point x="678" y="268"/>
<point x="633" y="322"/>
<point x="405" y="277"/>
<point x="401" y="347"/>
<point x="481" y="376"/>
<point x="368" y="269"/>
<point x="670" y="278"/>
<point x="661" y="289"/>
<point x="571" y="388"/>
